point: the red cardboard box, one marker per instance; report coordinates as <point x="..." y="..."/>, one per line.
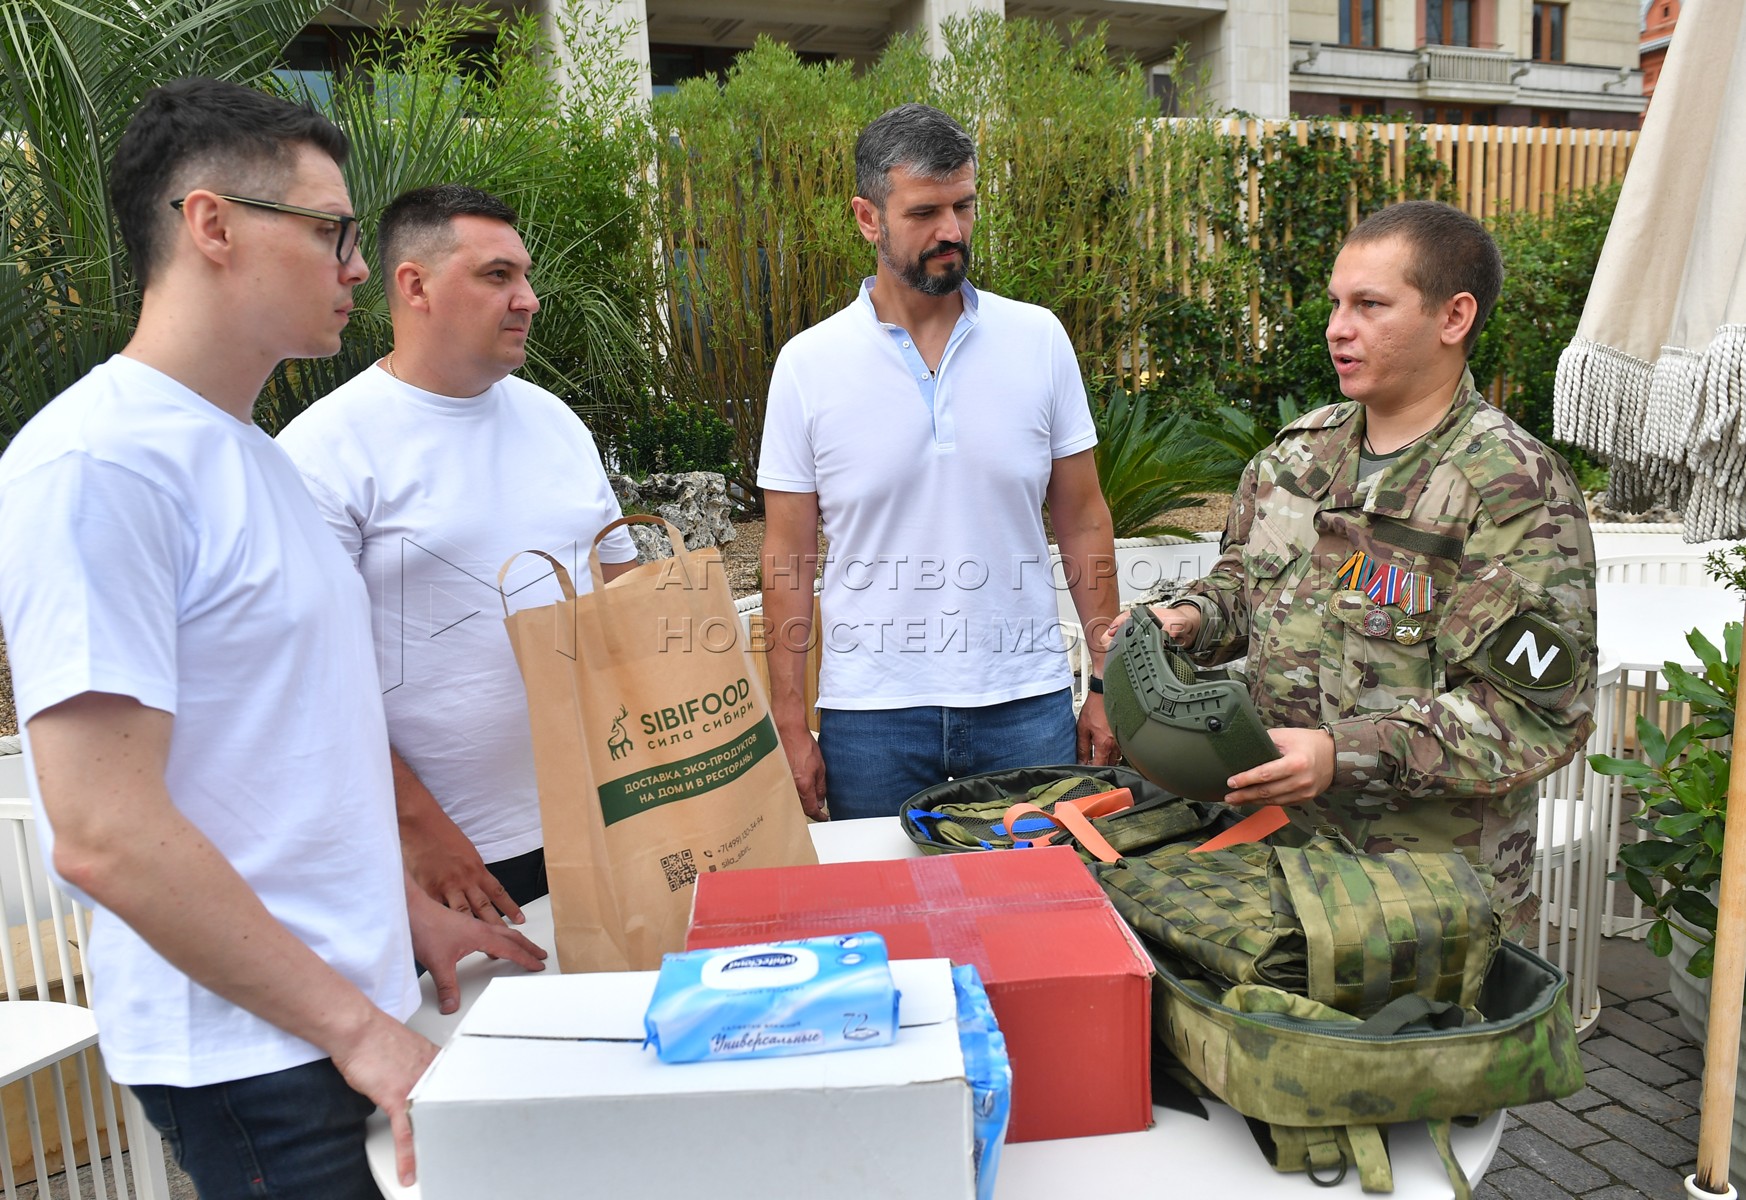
<point x="1069" y="983"/>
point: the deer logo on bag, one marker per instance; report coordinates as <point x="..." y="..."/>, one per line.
<point x="619" y="743"/>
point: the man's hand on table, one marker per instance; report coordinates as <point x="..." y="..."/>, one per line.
<point x="444" y="861"/>
<point x="382" y="1061"/>
<point x="1303" y="770"/>
<point x="442" y="937"/>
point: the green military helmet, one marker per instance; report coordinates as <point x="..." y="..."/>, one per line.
<point x="1187" y="731"/>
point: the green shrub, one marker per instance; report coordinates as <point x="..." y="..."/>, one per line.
<point x="674" y="438"/>
<point x="425" y="105"/>
<point x="1549" y="262"/>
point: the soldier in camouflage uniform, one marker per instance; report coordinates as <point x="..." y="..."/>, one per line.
<point x="1410" y="574"/>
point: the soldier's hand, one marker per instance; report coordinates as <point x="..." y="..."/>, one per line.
<point x="1180" y="622"/>
<point x="1303" y="770"/>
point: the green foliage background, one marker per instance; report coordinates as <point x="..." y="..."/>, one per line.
<point x="678" y="246"/>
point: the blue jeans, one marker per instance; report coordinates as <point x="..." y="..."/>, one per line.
<point x="875" y="759"/>
<point x="294" y="1134"/>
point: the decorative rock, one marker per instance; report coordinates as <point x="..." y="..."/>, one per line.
<point x="696" y="502"/>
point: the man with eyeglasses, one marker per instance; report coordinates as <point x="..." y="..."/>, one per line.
<point x="193" y="669"/>
<point x="432" y="468"/>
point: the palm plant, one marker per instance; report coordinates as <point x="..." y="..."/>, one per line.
<point x="70" y="75"/>
<point x="420" y="107"/>
<point x="1149" y="464"/>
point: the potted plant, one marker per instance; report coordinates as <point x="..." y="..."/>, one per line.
<point x="1681" y="780"/>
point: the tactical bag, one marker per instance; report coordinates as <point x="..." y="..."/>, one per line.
<point x="1325" y="1082"/>
<point x="1322" y="920"/>
<point x="1324" y="993"/>
<point x="971" y="812"/>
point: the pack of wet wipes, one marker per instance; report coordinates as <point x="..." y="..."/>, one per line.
<point x="800" y="997"/>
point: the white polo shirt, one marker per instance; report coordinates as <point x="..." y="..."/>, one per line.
<point x="153" y="546"/>
<point x="937" y="586"/>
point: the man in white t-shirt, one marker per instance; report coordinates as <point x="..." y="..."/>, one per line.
<point x="927" y="424"/>
<point x="433" y="467"/>
<point x="192" y="664"/>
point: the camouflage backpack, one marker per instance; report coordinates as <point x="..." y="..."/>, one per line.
<point x="976" y="812"/>
<point x="1326" y="993"/>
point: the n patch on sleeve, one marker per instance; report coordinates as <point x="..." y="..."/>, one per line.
<point x="1531" y="652"/>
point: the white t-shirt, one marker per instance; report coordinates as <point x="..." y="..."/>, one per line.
<point x="430" y="495"/>
<point x="937" y="588"/>
<point x="153" y="546"/>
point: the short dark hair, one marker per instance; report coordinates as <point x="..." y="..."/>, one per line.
<point x="423" y="215"/>
<point x="917" y="136"/>
<point x="1450" y="253"/>
<point x="199" y="132"/>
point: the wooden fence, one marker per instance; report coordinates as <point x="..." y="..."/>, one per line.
<point x="1493" y="168"/>
<point x="768" y="248"/>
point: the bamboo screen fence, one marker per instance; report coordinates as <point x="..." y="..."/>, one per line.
<point x="754" y="267"/>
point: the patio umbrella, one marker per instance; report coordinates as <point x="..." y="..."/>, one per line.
<point x="1654" y="383"/>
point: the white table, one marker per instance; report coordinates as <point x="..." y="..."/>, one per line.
<point x="1188" y="1156"/>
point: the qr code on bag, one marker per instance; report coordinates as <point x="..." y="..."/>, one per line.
<point x="681" y="870"/>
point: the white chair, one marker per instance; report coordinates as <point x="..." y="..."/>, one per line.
<point x="38" y="1036"/>
<point x="1574" y="851"/>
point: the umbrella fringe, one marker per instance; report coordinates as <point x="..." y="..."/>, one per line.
<point x="1675" y="410"/>
<point x="1717" y="504"/>
<point x="1596" y="388"/>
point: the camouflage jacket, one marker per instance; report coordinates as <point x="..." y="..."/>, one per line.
<point x="1454" y="663"/>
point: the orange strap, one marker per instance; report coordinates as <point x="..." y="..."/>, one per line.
<point x="1251" y="828"/>
<point x="1068" y="817"/>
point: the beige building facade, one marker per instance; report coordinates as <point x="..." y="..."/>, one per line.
<point x="1490" y="62"/>
<point x="1477" y="61"/>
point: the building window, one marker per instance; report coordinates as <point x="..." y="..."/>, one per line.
<point x="1360" y="106"/>
<point x="1549" y="32"/>
<point x="1449" y="22"/>
<point x="1358" y="22"/>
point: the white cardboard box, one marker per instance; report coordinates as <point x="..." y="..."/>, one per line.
<point x="546" y="1090"/>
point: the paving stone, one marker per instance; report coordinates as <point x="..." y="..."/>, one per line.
<point x="1645" y="1067"/>
<point x="1652" y="1102"/>
<point x="1675" y="1026"/>
<point x="1501" y="1161"/>
<point x="1690" y="1091"/>
<point x="1648" y="1011"/>
<point x="1688" y="1127"/>
<point x="1484" y="1191"/>
<point x="1522" y="1184"/>
<point x="1651" y="1137"/>
<point x="1537" y="1151"/>
<point x="1588" y="1062"/>
<point x="1631" y="972"/>
<point x="1561" y="1126"/>
<point x="1644" y="1036"/>
<point x="1617" y="1191"/>
<point x="1631" y="1166"/>
<point x="1689" y="1059"/>
<point x="1584" y="1100"/>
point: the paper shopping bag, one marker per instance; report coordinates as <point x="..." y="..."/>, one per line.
<point x="654" y="750"/>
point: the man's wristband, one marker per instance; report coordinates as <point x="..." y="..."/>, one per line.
<point x="1094" y="683"/>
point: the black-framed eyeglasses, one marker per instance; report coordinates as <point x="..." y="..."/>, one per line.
<point x="344" y="244"/>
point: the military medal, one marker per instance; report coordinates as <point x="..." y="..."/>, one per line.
<point x="1409" y="632"/>
<point x="1377" y="622"/>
